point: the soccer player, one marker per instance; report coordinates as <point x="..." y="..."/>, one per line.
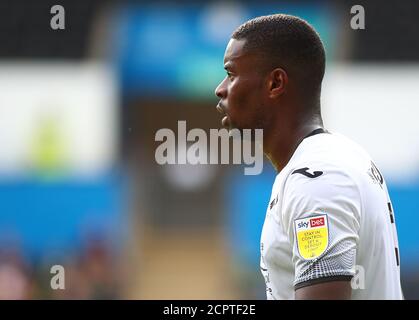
<point x="329" y="230"/>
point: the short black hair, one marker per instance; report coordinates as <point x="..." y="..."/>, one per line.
<point x="288" y="42"/>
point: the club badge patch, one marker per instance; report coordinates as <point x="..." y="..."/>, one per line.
<point x="312" y="236"/>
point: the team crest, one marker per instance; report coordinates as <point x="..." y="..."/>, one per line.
<point x="312" y="236"/>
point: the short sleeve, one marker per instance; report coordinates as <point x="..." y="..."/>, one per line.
<point x="321" y="215"/>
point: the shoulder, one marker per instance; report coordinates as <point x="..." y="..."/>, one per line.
<point x="318" y="186"/>
<point x="319" y="180"/>
<point x="325" y="164"/>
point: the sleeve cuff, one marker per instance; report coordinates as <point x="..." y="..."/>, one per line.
<point x="322" y="279"/>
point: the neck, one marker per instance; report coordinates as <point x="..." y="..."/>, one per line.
<point x="280" y="144"/>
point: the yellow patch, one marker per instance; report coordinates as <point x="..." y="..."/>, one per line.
<point x="312" y="236"/>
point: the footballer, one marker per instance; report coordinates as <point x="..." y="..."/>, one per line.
<point x="330" y="213"/>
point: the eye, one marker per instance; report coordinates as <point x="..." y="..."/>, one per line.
<point x="229" y="75"/>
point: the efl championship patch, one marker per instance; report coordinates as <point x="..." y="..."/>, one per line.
<point x="312" y="236"/>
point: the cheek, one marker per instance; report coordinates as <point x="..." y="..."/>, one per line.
<point x="239" y="94"/>
<point x="253" y="112"/>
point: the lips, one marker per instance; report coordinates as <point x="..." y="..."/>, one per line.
<point x="220" y="109"/>
<point x="224" y="122"/>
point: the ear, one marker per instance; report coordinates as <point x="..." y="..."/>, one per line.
<point x="278" y="80"/>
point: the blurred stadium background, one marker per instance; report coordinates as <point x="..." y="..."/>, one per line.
<point x="79" y="109"/>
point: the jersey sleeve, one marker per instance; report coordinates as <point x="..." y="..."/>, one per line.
<point x="321" y="215"/>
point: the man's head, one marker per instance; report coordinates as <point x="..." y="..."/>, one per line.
<point x="271" y="61"/>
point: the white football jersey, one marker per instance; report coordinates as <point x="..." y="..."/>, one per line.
<point x="330" y="218"/>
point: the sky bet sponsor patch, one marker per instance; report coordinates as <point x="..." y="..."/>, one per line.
<point x="312" y="236"/>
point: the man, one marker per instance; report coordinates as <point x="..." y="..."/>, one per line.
<point x="329" y="231"/>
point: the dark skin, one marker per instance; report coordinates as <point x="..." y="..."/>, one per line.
<point x="257" y="96"/>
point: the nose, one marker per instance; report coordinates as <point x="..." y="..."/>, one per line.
<point x="220" y="91"/>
